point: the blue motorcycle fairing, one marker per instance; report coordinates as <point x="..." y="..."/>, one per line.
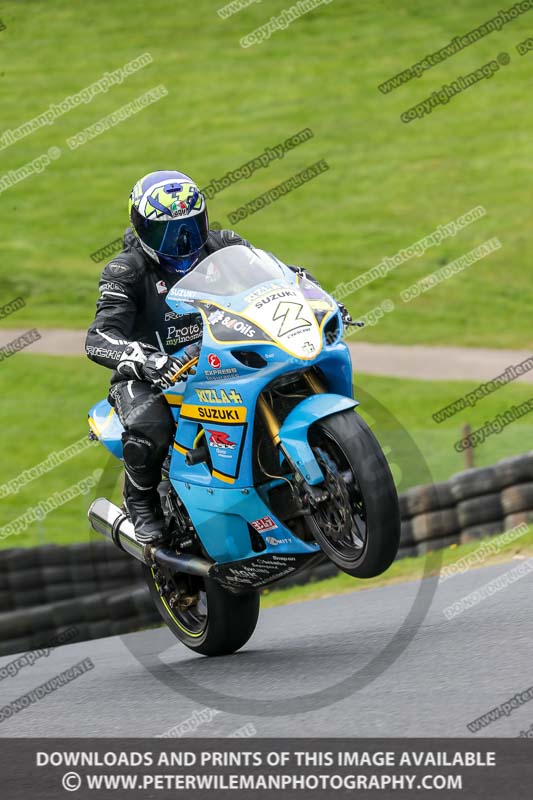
<point x="107" y="427"/>
<point x="217" y="407"/>
<point x="223" y="517"/>
<point x="293" y="432"/>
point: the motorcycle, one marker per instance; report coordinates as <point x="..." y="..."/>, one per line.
<point x="272" y="469"/>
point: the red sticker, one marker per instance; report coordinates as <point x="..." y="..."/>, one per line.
<point x="263" y="524"/>
<point x="213" y="361"/>
<point x="220" y="439"/>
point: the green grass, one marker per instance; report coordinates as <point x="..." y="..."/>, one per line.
<point x="406" y="569"/>
<point x="420" y="450"/>
<point x="45" y="400"/>
<point x="389" y="184"/>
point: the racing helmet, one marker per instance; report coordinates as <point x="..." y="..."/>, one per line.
<point x="168" y="215"/>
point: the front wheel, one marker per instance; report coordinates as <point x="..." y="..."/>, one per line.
<point x="358" y="526"/>
<point x="203" y="615"/>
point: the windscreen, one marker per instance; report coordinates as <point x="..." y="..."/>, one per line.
<point x="230" y="271"/>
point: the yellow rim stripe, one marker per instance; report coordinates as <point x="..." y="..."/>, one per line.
<point x="180" y="626"/>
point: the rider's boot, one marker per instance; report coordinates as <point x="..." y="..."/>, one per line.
<point x="141" y="498"/>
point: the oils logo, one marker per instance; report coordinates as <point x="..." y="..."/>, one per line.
<point x="227" y="415"/>
<point x="218" y="396"/>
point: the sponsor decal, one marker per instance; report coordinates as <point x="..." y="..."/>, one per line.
<point x="221" y="374"/>
<point x="264" y="524"/>
<point x="257" y="293"/>
<point x="290" y="315"/>
<point x="179" y="209"/>
<point x="186" y="293"/>
<point x="258" y="571"/>
<point x="103" y="352"/>
<point x="273" y="541"/>
<point x="235" y="324"/>
<point x="213" y="360"/>
<point x="186" y="334"/>
<point x="229" y="415"/>
<point x="275" y="296"/>
<point x="116" y="269"/>
<point x="221" y="440"/>
<point x="111" y="287"/>
<point x="215" y="316"/>
<point x="218" y="396"/>
<point x="161" y="288"/>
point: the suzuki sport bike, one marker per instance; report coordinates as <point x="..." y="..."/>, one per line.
<point x="272" y="468"/>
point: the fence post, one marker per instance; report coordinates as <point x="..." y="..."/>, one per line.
<point x="468" y="451"/>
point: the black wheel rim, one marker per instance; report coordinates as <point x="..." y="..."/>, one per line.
<point x="341" y="520"/>
<point x="172" y="589"/>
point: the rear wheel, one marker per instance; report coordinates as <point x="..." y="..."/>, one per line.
<point x="358" y="526"/>
<point x="203" y="615"/>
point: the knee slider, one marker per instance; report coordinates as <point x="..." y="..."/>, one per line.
<point x="138" y="451"/>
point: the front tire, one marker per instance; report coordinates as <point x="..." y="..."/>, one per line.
<point x="217" y="624"/>
<point x="358" y="528"/>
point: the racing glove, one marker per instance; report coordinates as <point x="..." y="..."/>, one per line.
<point x="144" y="362"/>
<point x="163" y="371"/>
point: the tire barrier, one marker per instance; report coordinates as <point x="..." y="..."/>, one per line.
<point x="92" y="589"/>
<point x="478" y="502"/>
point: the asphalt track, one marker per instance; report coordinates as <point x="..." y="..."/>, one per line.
<point x="449" y="673"/>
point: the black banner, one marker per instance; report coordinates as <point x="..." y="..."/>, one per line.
<point x="266" y="768"/>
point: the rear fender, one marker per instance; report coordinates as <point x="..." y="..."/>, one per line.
<point x="294" y="431"/>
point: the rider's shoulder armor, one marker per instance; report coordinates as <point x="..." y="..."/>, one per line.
<point x="224" y="238"/>
<point x="129" y="265"/>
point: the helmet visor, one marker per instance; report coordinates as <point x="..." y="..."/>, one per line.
<point x="173" y="238"/>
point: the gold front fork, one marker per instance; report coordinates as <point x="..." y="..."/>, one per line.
<point x="267" y="412"/>
<point x="269" y="418"/>
<point x="314" y="382"/>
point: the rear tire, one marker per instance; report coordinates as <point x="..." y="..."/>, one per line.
<point x="359" y="471"/>
<point x="220" y="624"/>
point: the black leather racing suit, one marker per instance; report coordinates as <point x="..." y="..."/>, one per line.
<point x="132" y="308"/>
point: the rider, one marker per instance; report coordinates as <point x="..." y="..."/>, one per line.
<point x="134" y="331"/>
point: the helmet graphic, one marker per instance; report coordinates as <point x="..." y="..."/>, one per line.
<point x="169" y="216"/>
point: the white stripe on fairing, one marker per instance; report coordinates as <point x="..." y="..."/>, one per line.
<point x="110" y="338"/>
<point x="159" y="340"/>
<point x="116" y="294"/>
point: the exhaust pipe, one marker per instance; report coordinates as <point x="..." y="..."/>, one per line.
<point x="107" y="519"/>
